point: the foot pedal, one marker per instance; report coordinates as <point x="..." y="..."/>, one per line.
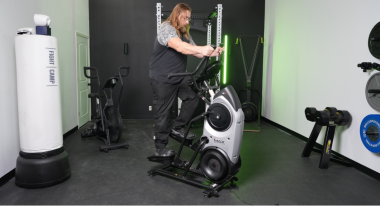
<point x="187" y="143"/>
<point x="88" y="133"/>
<point x="160" y="159"/>
<point x="195" y="146"/>
<point x="105" y="148"/>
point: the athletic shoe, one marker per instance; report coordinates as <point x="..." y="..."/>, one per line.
<point x="164" y="152"/>
<point x="181" y="133"/>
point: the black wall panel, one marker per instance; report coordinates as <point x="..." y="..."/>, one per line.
<point x="115" y="22"/>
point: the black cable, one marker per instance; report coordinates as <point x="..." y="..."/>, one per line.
<point x="241" y="199"/>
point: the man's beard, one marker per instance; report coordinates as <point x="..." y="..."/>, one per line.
<point x="183" y="29"/>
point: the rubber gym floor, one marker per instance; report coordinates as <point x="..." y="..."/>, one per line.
<point x="272" y="173"/>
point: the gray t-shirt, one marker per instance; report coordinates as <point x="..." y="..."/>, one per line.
<point x="166" y="60"/>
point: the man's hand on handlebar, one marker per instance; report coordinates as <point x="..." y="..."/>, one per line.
<point x="218" y="51"/>
<point x="207" y="50"/>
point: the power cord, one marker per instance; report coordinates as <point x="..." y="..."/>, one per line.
<point x="241" y="199"/>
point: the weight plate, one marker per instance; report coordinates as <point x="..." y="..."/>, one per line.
<point x="322" y="118"/>
<point x="369" y="132"/>
<point x="310" y="113"/>
<point x="344" y="117"/>
<point x="373" y="99"/>
<point x="374" y="41"/>
<point x="250" y="111"/>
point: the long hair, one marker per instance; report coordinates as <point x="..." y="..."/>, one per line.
<point x="173" y="19"/>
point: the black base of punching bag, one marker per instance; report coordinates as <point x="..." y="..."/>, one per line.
<point x="39" y="170"/>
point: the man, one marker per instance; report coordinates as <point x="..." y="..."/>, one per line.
<point x="171" y="47"/>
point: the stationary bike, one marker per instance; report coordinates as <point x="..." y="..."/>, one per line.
<point x="219" y="146"/>
<point x="108" y="124"/>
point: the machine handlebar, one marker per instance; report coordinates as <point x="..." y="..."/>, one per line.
<point x="91" y="69"/>
<point x="124" y="67"/>
<point x="201" y="74"/>
<point x="188" y="73"/>
<point x="191" y="73"/>
<point x="180" y="74"/>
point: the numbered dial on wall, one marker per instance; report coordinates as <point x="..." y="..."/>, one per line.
<point x="372" y="91"/>
<point x="374" y="41"/>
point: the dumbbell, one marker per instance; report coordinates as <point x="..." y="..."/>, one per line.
<point x="323" y="118"/>
<point x="340" y="117"/>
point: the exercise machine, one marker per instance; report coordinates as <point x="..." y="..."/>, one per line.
<point x="251" y="111"/>
<point x="219" y="146"/>
<point x="107" y="124"/>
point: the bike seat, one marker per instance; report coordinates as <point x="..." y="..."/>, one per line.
<point x="111" y="82"/>
<point x="93" y="95"/>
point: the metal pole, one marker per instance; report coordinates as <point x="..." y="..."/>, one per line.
<point x="209" y="32"/>
<point x="158" y="15"/>
<point x="219" y="27"/>
<point x="219" y="34"/>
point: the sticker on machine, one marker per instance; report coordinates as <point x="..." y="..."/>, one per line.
<point x="369" y="132"/>
<point x="51" y="57"/>
<point x="51" y="76"/>
<point x="51" y="73"/>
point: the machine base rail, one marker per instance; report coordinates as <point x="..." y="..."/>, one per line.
<point x="105" y="148"/>
<point x="160" y="159"/>
<point x="212" y="189"/>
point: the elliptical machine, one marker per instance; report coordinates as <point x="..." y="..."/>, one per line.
<point x="219" y="146"/>
<point x="107" y="124"/>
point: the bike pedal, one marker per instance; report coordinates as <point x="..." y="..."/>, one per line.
<point x="87" y="133"/>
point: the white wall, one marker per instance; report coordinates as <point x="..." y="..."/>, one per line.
<point x="67" y="17"/>
<point x="311" y="52"/>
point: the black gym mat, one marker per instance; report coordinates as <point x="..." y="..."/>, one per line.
<point x="273" y="173"/>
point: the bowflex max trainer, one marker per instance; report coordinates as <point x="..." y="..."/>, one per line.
<point x="107" y="125"/>
<point x="219" y="146"/>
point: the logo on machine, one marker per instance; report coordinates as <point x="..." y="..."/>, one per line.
<point x="218" y="141"/>
<point x="52" y="76"/>
<point x="51" y="57"/>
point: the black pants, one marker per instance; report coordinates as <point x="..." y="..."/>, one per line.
<point x="164" y="94"/>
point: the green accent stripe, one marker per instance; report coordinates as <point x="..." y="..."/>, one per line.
<point x="225" y="59"/>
